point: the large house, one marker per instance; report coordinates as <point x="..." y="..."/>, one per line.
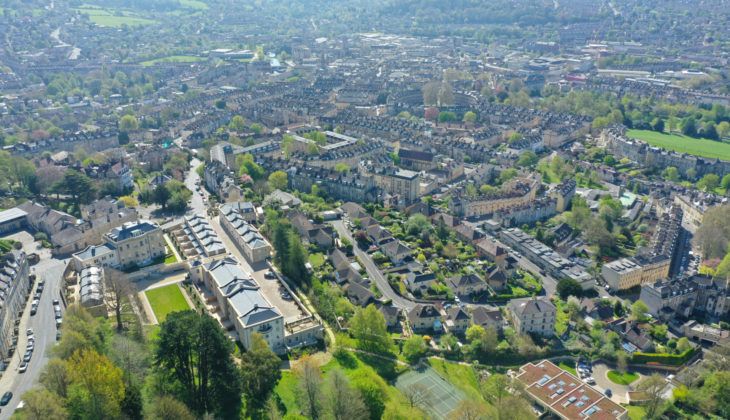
<point x="467" y="284"/>
<point x="132" y="244"/>
<point x="242" y="303"/>
<point x="424" y="318"/>
<point x="533" y="316"/>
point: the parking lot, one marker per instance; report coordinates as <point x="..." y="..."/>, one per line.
<point x="43" y="324"/>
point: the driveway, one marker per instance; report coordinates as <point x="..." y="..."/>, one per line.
<point x="373" y="270"/>
<point x="43" y="324"/>
<point x="620" y="392"/>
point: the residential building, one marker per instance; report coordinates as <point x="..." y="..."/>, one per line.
<point x="133" y="244"/>
<point x="467" y="284"/>
<point x="626" y="273"/>
<point x="424" y="318"/>
<point x="15" y="286"/>
<point x="697" y="296"/>
<point x="402" y="184"/>
<point x="391" y="314"/>
<point x="457" y="320"/>
<point x="564" y="193"/>
<point x="246" y="237"/>
<point x="194" y="236"/>
<point x="12" y="220"/>
<point x="533" y="316"/>
<point x="566" y="396"/>
<point x="242" y="303"/>
<point x="704" y="333"/>
<point x="487" y="318"/>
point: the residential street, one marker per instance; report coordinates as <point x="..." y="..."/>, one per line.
<point x="373" y="271"/>
<point x="43" y="324"/>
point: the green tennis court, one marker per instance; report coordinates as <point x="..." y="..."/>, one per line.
<point x="438" y="396"/>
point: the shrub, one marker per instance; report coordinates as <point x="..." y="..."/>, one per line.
<point x="663" y="358"/>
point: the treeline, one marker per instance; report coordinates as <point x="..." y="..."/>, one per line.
<point x="188" y="372"/>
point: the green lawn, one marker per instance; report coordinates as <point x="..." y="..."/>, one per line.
<point x="174" y="59"/>
<point x="170" y="258"/>
<point x="683" y="144"/>
<point x="194" y="4"/>
<point x="569" y="367"/>
<point x="113" y="19"/>
<point x="461" y="376"/>
<point x="636" y="412"/>
<point x="165" y="300"/>
<point x="316" y="260"/>
<point x="622" y="379"/>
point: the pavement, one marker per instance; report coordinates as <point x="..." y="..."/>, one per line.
<point x="373" y="271"/>
<point x="43" y="324"/>
<point x="620" y="392"/>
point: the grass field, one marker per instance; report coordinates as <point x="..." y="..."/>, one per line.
<point x="112" y="19"/>
<point x="174" y="59"/>
<point x="568" y="367"/>
<point x="622" y="379"/>
<point x="441" y="397"/>
<point x="636" y="412"/>
<point x="683" y="144"/>
<point x="462" y="376"/>
<point x="194" y="4"/>
<point x="165" y="300"/>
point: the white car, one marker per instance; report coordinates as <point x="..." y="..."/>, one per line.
<point x="23" y="367"/>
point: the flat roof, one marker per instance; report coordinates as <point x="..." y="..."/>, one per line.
<point x="10" y="215"/>
<point x="566" y="395"/>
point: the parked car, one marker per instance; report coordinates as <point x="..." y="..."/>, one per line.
<point x="23" y="367"/>
<point x="58" y="314"/>
<point x="58" y="335"/>
<point x="6" y="398"/>
<point x="608" y="393"/>
<point x="27" y="356"/>
<point x="29" y="332"/>
<point x="59" y="321"/>
<point x="30" y="346"/>
<point x="56" y="302"/>
<point x="269" y="275"/>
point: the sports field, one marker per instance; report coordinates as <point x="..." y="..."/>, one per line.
<point x="438" y="397"/>
<point x="113" y="18"/>
<point x="683" y="144"/>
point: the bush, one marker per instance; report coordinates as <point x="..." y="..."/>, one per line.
<point x="663" y="358"/>
<point x="40" y="236"/>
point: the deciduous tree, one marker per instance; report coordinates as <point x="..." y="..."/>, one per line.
<point x="260" y="373"/>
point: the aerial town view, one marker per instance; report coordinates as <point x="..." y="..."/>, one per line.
<point x="364" y="209"/>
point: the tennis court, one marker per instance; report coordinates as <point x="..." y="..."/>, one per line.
<point x="437" y="395"/>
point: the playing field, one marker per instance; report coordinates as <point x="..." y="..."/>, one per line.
<point x="174" y="59"/>
<point x="113" y="19"/>
<point x="683" y="144"/>
<point x="165" y="300"/>
<point x="438" y="397"/>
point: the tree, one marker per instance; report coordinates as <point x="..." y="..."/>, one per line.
<point x="713" y="235"/>
<point x="639" y="311"/>
<point x="430" y="93"/>
<point x="470" y="117"/>
<point x="369" y="328"/>
<point x="166" y="407"/>
<point x="481" y="339"/>
<point x="653" y="388"/>
<point x="417" y="224"/>
<point x="708" y="182"/>
<point x="718" y="386"/>
<point x="622" y="361"/>
<point x="683" y="345"/>
<point x="161" y="195"/>
<point x="342" y="167"/>
<point x="247" y="166"/>
<point x="657" y="124"/>
<point x="42" y="404"/>
<point x="78" y="186"/>
<point x="117" y="289"/>
<point x="414" y="348"/>
<point x="260" y="373"/>
<point x="97" y="388"/>
<point x="445" y="95"/>
<point x="342" y="401"/>
<point x="470" y="410"/>
<point x="237" y="123"/>
<point x="725" y="183"/>
<point x="527" y="158"/>
<point x="671" y="174"/>
<point x="278" y="180"/>
<point x="310" y="387"/>
<point x="128" y="123"/>
<point x="417" y="394"/>
<point x="723" y="129"/>
<point x="569" y="287"/>
<point x="54" y="377"/>
<point x="689" y="127"/>
<point x="504" y="395"/>
<point x="194" y="354"/>
<point x="129" y="201"/>
<point x="446" y="116"/>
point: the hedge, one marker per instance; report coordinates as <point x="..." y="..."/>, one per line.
<point x="662" y="358"/>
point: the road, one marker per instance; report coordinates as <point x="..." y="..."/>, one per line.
<point x="197" y="206"/>
<point x="43" y="324"/>
<point x="373" y="271"/>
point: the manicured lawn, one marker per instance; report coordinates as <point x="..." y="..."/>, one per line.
<point x="104" y="17"/>
<point x="174" y="59"/>
<point x="461" y="376"/>
<point x="569" y="367"/>
<point x="170" y="259"/>
<point x="316" y="260"/>
<point x="194" y="4"/>
<point x="683" y="144"/>
<point x="165" y="300"/>
<point x="622" y="379"/>
<point x="636" y="412"/>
